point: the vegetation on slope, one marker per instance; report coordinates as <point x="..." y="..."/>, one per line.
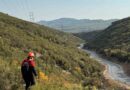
<point x="88" y="36"/>
<point x="114" y="41"/>
<point x="60" y="66"/>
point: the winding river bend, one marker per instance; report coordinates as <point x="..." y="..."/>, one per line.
<point x="115" y="70"/>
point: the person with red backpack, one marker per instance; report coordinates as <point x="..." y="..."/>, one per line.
<point x="28" y="70"/>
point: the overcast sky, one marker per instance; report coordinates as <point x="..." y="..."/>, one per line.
<point x="54" y="9"/>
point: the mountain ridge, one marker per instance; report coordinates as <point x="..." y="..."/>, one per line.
<point x="114" y="41"/>
<point x="77" y="25"/>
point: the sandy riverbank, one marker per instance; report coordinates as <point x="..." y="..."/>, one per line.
<point x="110" y="80"/>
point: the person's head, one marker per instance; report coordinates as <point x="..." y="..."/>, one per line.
<point x="30" y="55"/>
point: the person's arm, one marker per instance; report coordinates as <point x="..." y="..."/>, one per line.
<point x="33" y="68"/>
<point x="34" y="71"/>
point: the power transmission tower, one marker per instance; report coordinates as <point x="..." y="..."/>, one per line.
<point x="31" y="16"/>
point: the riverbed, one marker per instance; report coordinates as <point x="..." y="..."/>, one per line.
<point x="115" y="70"/>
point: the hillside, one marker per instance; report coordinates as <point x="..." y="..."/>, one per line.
<point x="114" y="41"/>
<point x="60" y="66"/>
<point x="88" y="36"/>
<point x="76" y="26"/>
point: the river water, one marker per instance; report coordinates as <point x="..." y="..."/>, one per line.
<point x="115" y="70"/>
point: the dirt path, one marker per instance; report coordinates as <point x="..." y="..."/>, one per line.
<point x="107" y="77"/>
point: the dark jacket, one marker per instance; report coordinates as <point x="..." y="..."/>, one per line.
<point x="28" y="69"/>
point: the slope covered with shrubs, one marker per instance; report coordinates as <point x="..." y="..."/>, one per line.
<point x="114" y="41"/>
<point x="60" y="64"/>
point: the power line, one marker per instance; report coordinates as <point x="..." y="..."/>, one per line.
<point x="27" y="5"/>
<point x="5" y="4"/>
<point x="14" y="6"/>
<point x="31" y="13"/>
<point x="22" y="8"/>
<point x="18" y="5"/>
<point x="23" y="4"/>
<point x="28" y="10"/>
<point x="10" y="7"/>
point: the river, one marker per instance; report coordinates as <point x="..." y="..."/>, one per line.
<point x="115" y="70"/>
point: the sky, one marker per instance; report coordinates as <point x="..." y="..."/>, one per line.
<point x="54" y="9"/>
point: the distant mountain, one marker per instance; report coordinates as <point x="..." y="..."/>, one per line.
<point x="77" y="25"/>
